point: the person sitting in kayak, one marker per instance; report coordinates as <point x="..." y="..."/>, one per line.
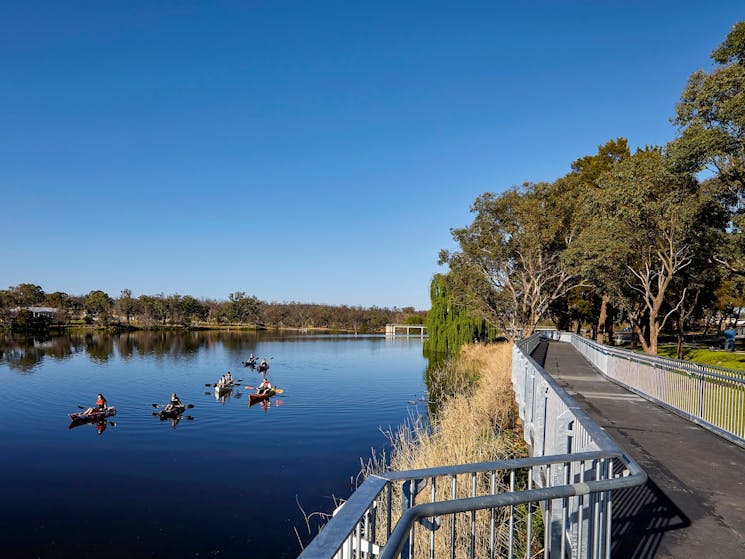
<point x="174" y="403"/>
<point x="229" y="378"/>
<point x="100" y="405"/>
<point x="264" y="387"/>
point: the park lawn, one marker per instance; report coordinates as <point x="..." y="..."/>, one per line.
<point x="719" y="358"/>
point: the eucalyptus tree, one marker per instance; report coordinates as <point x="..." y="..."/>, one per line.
<point x="154" y="307"/>
<point x="653" y="218"/>
<point x="193" y="309"/>
<point x="509" y="270"/>
<point x="711" y="120"/>
<point x="126" y="304"/>
<point x="595" y="262"/>
<point x="98" y="303"/>
<point x="27" y="294"/>
<point x="240" y="308"/>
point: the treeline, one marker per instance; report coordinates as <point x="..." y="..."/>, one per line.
<point x="17" y="311"/>
<point x="654" y="239"/>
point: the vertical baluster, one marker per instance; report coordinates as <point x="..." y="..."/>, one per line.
<point x="608" y="513"/>
<point x="549" y="514"/>
<point x="492" y="515"/>
<point x="452" y="518"/>
<point x="473" y="517"/>
<point x="529" y="534"/>
<point x="564" y="501"/>
<point x="432" y="533"/>
<point x="511" y="536"/>
<point x="596" y="514"/>
<point x="580" y="510"/>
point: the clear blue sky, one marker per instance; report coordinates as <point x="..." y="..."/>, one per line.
<point x="308" y="151"/>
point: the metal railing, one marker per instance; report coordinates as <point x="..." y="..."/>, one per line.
<point x="711" y="396"/>
<point x="495" y="509"/>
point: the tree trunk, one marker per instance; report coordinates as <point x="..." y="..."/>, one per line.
<point x="652" y="334"/>
<point x="681" y="322"/>
<point x="602" y="319"/>
<point x="707" y="323"/>
<point x="609" y="328"/>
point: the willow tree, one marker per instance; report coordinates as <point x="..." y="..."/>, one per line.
<point x="509" y="270"/>
<point x="450" y="325"/>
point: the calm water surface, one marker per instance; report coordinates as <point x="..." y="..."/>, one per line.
<point x="228" y="483"/>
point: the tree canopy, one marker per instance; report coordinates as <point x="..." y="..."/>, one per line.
<point x="641" y="237"/>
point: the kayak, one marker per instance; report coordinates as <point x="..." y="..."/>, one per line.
<point x="175" y="411"/>
<point x="255" y="398"/>
<point x="224" y="387"/>
<point x="95" y="415"/>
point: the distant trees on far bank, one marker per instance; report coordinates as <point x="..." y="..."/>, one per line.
<point x="27" y="306"/>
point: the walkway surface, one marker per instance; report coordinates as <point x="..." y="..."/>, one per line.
<point x="693" y="505"/>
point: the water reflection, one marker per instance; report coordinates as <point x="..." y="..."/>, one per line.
<point x="100" y="425"/>
<point x="24" y="353"/>
<point x="265" y="404"/>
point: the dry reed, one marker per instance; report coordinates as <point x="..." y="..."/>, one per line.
<point x="475" y="421"/>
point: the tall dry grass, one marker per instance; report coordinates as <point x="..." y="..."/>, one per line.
<point x="475" y="421"/>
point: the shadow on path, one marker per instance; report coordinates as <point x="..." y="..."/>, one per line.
<point x="641" y="516"/>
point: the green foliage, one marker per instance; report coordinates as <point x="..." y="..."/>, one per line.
<point x="98" y="304"/>
<point x="27" y="295"/>
<point x="450" y="325"/>
<point x="241" y="308"/>
<point x="707" y="356"/>
<point x="509" y="268"/>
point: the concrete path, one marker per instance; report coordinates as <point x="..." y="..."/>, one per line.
<point x="693" y="505"/>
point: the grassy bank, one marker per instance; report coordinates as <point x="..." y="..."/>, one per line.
<point x="475" y="421"/>
<point x="719" y="358"/>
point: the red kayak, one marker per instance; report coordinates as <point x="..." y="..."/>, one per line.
<point x="255" y="398"/>
<point x="95" y="415"/>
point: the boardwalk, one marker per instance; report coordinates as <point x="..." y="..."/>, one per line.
<point x="693" y="505"/>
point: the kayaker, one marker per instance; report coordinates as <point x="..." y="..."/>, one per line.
<point x="229" y="378"/>
<point x="174" y="403"/>
<point x="265" y="386"/>
<point x="100" y="405"/>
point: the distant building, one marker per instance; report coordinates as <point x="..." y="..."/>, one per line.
<point x="38" y="312"/>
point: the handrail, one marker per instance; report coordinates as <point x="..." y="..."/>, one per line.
<point x="574" y="467"/>
<point x="710" y="396"/>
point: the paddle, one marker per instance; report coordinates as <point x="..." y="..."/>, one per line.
<point x="188" y="406"/>
<point x="234" y="382"/>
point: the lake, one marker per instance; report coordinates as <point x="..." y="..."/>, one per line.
<point x="227" y="480"/>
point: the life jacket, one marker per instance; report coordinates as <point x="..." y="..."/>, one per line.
<point x="100" y="401"/>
